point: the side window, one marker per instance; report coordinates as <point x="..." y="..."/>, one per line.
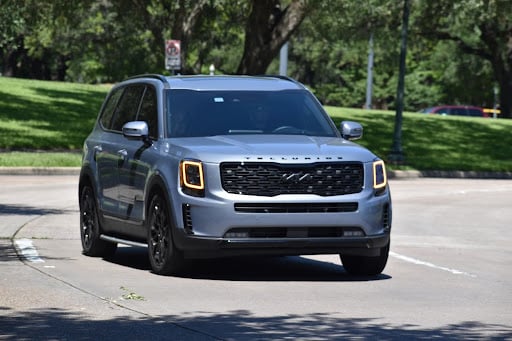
<point x="128" y="106"/>
<point x="459" y="112"/>
<point x="148" y="111"/>
<point x="475" y="112"/>
<point x="109" y="107"/>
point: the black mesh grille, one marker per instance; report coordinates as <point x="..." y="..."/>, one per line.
<point x="271" y="179"/>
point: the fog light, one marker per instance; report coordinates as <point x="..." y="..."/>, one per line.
<point x="353" y="234"/>
<point x="237" y="235"/>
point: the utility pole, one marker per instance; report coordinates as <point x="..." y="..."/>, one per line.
<point x="369" y="77"/>
<point x="397" y="156"/>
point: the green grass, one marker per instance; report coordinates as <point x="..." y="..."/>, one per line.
<point x="44" y="115"/>
<point x="433" y="142"/>
<point x="45" y="123"/>
<point x="40" y="159"/>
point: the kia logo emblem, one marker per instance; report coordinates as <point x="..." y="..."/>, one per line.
<point x="295" y="178"/>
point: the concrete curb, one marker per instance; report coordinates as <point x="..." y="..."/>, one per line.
<point x="392" y="174"/>
<point x="40" y="171"/>
<point x="411" y="174"/>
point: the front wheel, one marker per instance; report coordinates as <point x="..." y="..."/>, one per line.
<point x="90" y="229"/>
<point x="164" y="257"/>
<point x="364" y="265"/>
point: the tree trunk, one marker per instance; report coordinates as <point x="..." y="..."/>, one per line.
<point x="268" y="28"/>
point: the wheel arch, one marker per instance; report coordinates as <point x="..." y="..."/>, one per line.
<point x="157" y="184"/>
<point x="86" y="178"/>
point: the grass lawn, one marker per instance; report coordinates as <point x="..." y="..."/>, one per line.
<point x="434" y="142"/>
<point x="45" y="123"/>
<point x="47" y="115"/>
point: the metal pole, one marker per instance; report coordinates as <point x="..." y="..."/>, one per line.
<point x="397" y="156"/>
<point x="283" y="60"/>
<point x="369" y="77"/>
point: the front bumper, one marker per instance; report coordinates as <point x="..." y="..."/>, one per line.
<point x="207" y="247"/>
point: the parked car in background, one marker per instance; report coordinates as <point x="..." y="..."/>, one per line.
<point x="211" y="166"/>
<point x="457" y="110"/>
<point x="491" y="112"/>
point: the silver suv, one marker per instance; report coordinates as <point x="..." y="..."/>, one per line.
<point x="211" y="166"/>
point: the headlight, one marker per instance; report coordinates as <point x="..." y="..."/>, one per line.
<point x="379" y="175"/>
<point x="192" y="177"/>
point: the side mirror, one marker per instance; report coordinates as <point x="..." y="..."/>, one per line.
<point x="351" y="130"/>
<point x="136" y="130"/>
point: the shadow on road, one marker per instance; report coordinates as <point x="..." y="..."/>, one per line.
<point x="7" y="252"/>
<point x="60" y="324"/>
<point x="29" y="210"/>
<point x="262" y="268"/>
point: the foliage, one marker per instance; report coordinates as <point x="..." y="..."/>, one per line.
<point x="482" y="28"/>
<point x="454" y="58"/>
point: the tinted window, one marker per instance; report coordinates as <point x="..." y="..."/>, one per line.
<point x="475" y="112"/>
<point x="208" y="113"/>
<point x="128" y="106"/>
<point x="109" y="107"/>
<point x="148" y="111"/>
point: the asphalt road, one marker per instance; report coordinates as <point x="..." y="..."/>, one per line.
<point x="449" y="276"/>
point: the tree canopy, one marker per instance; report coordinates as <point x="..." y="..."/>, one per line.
<point x="458" y="57"/>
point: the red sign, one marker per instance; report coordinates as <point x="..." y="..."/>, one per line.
<point x="173" y="54"/>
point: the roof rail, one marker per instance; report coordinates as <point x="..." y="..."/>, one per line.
<point x="152" y="75"/>
<point x="287" y="78"/>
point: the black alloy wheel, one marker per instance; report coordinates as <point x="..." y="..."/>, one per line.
<point x="164" y="257"/>
<point x="90" y="229"/>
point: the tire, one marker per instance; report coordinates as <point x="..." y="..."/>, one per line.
<point x="366" y="266"/>
<point x="164" y="257"/>
<point x="90" y="229"/>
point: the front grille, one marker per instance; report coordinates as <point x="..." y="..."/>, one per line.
<point x="296" y="208"/>
<point x="271" y="179"/>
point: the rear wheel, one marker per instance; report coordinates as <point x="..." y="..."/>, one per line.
<point x="90" y="229"/>
<point x="364" y="265"/>
<point x="164" y="257"/>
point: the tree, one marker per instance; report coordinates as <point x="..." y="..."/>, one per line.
<point x="479" y="27"/>
<point x="268" y="28"/>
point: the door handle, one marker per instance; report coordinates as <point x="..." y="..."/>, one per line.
<point x="123" y="153"/>
<point x="97" y="149"/>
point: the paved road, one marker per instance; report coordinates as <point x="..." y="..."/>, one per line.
<point x="449" y="276"/>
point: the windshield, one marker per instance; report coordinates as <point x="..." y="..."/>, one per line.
<point x="207" y="113"/>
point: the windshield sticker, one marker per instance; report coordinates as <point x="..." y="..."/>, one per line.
<point x="218" y="99"/>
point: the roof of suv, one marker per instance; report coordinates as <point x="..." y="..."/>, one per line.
<point x="225" y="82"/>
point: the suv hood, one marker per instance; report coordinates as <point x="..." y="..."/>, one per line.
<point x="268" y="148"/>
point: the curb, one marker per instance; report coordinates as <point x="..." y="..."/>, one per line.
<point x="40" y="171"/>
<point x="413" y="174"/>
<point x="392" y="174"/>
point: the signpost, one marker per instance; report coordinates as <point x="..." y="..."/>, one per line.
<point x="173" y="55"/>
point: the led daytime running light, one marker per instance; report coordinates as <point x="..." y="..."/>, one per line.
<point x="192" y="175"/>
<point x="379" y="175"/>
